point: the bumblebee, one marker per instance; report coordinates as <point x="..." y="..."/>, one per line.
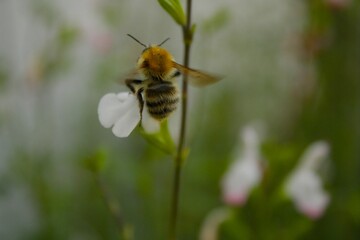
<point x="158" y="90"/>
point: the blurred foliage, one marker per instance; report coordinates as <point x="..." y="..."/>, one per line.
<point x="3" y="74"/>
<point x="55" y="57"/>
<point x="67" y="197"/>
<point x="268" y="213"/>
<point x="96" y="162"/>
<point x="45" y="11"/>
<point x="219" y="19"/>
<point x="332" y="41"/>
<point x="112" y="13"/>
<point x="333" y="112"/>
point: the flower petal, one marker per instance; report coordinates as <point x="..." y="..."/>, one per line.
<point x="122" y="96"/>
<point x="315" y="155"/>
<point x="315" y="205"/>
<point x="129" y="120"/>
<point x="150" y="124"/>
<point x="305" y="188"/>
<point x="110" y="109"/>
<point x="243" y="175"/>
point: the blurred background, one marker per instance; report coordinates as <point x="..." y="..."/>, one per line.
<point x="292" y="69"/>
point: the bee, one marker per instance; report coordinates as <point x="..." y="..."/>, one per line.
<point x="158" y="90"/>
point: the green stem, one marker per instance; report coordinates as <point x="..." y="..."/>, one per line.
<point x="111" y="204"/>
<point x="187" y="37"/>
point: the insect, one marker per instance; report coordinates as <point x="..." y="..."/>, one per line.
<point x="158" y="90"/>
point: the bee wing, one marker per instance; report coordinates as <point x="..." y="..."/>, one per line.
<point x="130" y="75"/>
<point x="197" y="78"/>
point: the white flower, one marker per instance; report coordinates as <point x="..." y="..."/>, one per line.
<point x="245" y="173"/>
<point x="121" y="112"/>
<point x="304" y="186"/>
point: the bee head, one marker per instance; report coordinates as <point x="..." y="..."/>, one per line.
<point x="155" y="61"/>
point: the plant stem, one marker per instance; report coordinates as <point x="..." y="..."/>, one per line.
<point x="113" y="208"/>
<point x="179" y="158"/>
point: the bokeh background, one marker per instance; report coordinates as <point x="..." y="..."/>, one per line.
<point x="292" y="67"/>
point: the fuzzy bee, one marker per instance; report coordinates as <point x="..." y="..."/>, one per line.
<point x="158" y="90"/>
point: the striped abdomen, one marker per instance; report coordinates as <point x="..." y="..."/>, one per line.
<point x="161" y="99"/>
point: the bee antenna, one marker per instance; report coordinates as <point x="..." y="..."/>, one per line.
<point x="164" y="41"/>
<point x="137" y="40"/>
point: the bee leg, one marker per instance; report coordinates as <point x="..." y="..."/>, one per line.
<point x="133" y="84"/>
<point x="141" y="102"/>
<point x="176" y="74"/>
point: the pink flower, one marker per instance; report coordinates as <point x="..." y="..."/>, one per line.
<point x="245" y="173"/>
<point x="304" y="186"/>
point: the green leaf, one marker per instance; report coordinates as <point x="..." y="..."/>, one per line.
<point x="175" y="10"/>
<point x="161" y="139"/>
